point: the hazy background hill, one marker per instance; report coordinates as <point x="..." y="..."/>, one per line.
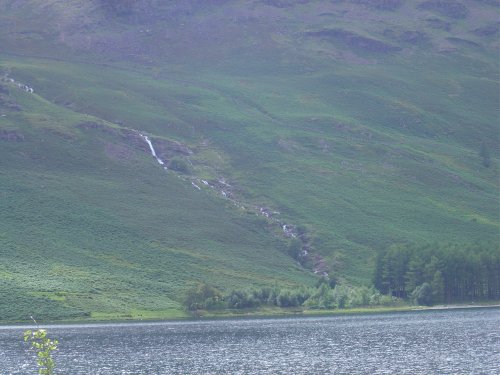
<point x="357" y="124"/>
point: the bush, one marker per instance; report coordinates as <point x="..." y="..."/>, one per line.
<point x="360" y="296"/>
<point x="43" y="346"/>
<point x="341" y="296"/>
<point x="322" y="298"/>
<point x="179" y="165"/>
<point x="202" y="296"/>
<point x="294" y="248"/>
<point x="241" y="299"/>
<point x="287" y="299"/>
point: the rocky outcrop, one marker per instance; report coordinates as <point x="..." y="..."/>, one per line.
<point x="167" y="149"/>
<point x="134" y="139"/>
<point x="164" y="149"/>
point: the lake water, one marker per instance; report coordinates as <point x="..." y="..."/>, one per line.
<point x="428" y="342"/>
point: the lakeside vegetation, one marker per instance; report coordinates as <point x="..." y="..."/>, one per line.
<point x="440" y="273"/>
<point x="406" y="275"/>
<point x="323" y="297"/>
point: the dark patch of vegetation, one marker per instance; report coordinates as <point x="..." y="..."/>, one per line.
<point x="4" y="89"/>
<point x="354" y="40"/>
<point x="439" y="24"/>
<point x="463" y="42"/>
<point x="488" y="30"/>
<point x="11" y="135"/>
<point x="120" y="7"/>
<point x="408" y="36"/>
<point x="179" y="165"/>
<point x="490" y="2"/>
<point x="440" y="273"/>
<point x="284" y="3"/>
<point x="387" y="5"/>
<point x="485" y="155"/>
<point x="7" y="103"/>
<point x="203" y="297"/>
<point x="447" y="8"/>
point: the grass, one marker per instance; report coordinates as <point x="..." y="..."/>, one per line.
<point x="118" y="235"/>
<point x="363" y="150"/>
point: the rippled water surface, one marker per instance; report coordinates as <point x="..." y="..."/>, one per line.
<point x="430" y="342"/>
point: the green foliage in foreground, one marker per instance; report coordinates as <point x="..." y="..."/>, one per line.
<point x="43" y="347"/>
<point x="440" y="273"/>
<point x="205" y="297"/>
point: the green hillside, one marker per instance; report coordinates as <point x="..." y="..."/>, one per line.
<point x="89" y="220"/>
<point x="354" y="124"/>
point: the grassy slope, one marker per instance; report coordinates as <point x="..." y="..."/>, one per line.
<point x="362" y="153"/>
<point x="109" y="232"/>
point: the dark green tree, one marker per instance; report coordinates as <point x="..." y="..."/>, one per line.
<point x="437" y="286"/>
<point x="415" y="274"/>
<point x="202" y="296"/>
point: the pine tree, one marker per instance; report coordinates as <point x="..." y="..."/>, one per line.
<point x="437" y="286"/>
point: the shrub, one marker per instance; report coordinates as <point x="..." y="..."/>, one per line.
<point x="202" y="296"/>
<point x="179" y="165"/>
<point x="341" y="296"/>
<point x="241" y="299"/>
<point x="43" y="346"/>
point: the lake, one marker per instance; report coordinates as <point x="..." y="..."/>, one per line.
<point x="465" y="341"/>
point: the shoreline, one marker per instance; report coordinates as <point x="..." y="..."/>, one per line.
<point x="252" y="314"/>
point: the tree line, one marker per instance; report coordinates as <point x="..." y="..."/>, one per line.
<point x="326" y="295"/>
<point x="440" y="273"/>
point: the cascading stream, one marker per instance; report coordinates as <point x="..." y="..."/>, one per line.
<point x="153" y="152"/>
<point x="20" y="85"/>
<point x="289" y="231"/>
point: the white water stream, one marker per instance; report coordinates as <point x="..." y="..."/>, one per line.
<point x="20" y="85"/>
<point x="153" y="152"/>
<point x="288" y="230"/>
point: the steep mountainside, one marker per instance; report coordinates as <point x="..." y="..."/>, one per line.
<point x="298" y="136"/>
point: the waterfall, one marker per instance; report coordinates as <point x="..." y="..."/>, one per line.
<point x="20" y="85"/>
<point x="153" y="152"/>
